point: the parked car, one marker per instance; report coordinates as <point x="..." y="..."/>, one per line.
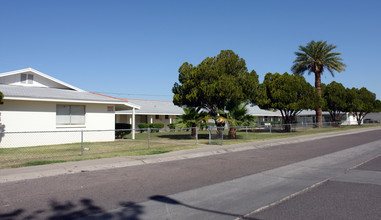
<point x="369" y="120"/>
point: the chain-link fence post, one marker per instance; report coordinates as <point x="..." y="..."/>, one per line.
<point x="210" y="135"/>
<point x="222" y="136"/>
<point x="81" y="142"/>
<point x="196" y="135"/>
<point x="149" y="131"/>
<point x="246" y="130"/>
<point x="270" y="128"/>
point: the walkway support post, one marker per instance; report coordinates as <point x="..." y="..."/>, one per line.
<point x="133" y="123"/>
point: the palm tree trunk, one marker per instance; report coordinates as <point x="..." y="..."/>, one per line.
<point x="232" y="133"/>
<point x="193" y="130"/>
<point x="319" y="118"/>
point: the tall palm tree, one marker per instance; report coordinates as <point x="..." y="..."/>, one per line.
<point x="315" y="58"/>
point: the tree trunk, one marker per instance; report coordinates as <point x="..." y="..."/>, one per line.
<point x="193" y="133"/>
<point x="319" y="118"/>
<point x="232" y="133"/>
<point x="287" y="122"/>
<point x="287" y="128"/>
<point x="336" y="120"/>
<point x="193" y="130"/>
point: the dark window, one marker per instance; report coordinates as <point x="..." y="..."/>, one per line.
<point x="167" y="117"/>
<point x="23" y="78"/>
<point x="157" y="116"/>
<point x="70" y="115"/>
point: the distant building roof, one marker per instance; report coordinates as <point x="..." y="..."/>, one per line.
<point x="153" y="107"/>
<point x="256" y="111"/>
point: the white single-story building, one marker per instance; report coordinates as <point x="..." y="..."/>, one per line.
<point x="40" y="110"/>
<point x="151" y="111"/>
<point x="154" y="111"/>
<point x="264" y="116"/>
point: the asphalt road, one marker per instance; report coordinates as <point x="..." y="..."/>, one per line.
<point x="127" y="190"/>
<point x="349" y="197"/>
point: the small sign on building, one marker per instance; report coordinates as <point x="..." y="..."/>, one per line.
<point x="110" y="108"/>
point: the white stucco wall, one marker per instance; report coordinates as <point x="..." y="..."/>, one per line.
<point x="28" y="116"/>
<point x="350" y="120"/>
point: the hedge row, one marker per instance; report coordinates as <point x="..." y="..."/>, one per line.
<point x="156" y="126"/>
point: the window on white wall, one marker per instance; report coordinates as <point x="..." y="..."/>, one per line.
<point x="30" y="79"/>
<point x="26" y="78"/>
<point x="23" y="78"/>
<point x="70" y="115"/>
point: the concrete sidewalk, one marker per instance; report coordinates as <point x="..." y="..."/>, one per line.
<point x="24" y="173"/>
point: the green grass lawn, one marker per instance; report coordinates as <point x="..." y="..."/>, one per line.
<point x="29" y="156"/>
<point x="161" y="142"/>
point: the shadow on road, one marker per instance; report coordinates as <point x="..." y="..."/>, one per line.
<point x="69" y="210"/>
<point x="168" y="200"/>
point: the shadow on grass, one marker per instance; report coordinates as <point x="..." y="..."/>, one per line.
<point x="183" y="136"/>
<point x="69" y="210"/>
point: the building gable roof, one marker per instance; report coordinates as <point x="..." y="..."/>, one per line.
<point x="28" y="70"/>
<point x="66" y="93"/>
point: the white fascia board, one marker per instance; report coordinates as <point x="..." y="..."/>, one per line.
<point x="70" y="100"/>
<point x="136" y="113"/>
<point x="132" y="105"/>
<point x="267" y="115"/>
<point x="43" y="75"/>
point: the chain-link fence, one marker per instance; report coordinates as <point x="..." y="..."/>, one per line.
<point x="42" y="147"/>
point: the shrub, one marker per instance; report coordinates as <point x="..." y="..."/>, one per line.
<point x="171" y="126"/>
<point x="271" y="122"/>
<point x="143" y="126"/>
<point x="121" y="130"/>
<point x="156" y="126"/>
<point x="203" y="126"/>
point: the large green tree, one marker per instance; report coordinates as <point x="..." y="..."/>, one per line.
<point x="289" y="94"/>
<point x="363" y="102"/>
<point x="316" y="57"/>
<point x="336" y="100"/>
<point x="215" y="82"/>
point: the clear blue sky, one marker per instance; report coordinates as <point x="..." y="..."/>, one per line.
<point x="133" y="49"/>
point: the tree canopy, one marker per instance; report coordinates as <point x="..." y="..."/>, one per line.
<point x="289" y="94"/>
<point x="363" y="102"/>
<point x="316" y="57"/>
<point x="215" y="82"/>
<point x="336" y="100"/>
